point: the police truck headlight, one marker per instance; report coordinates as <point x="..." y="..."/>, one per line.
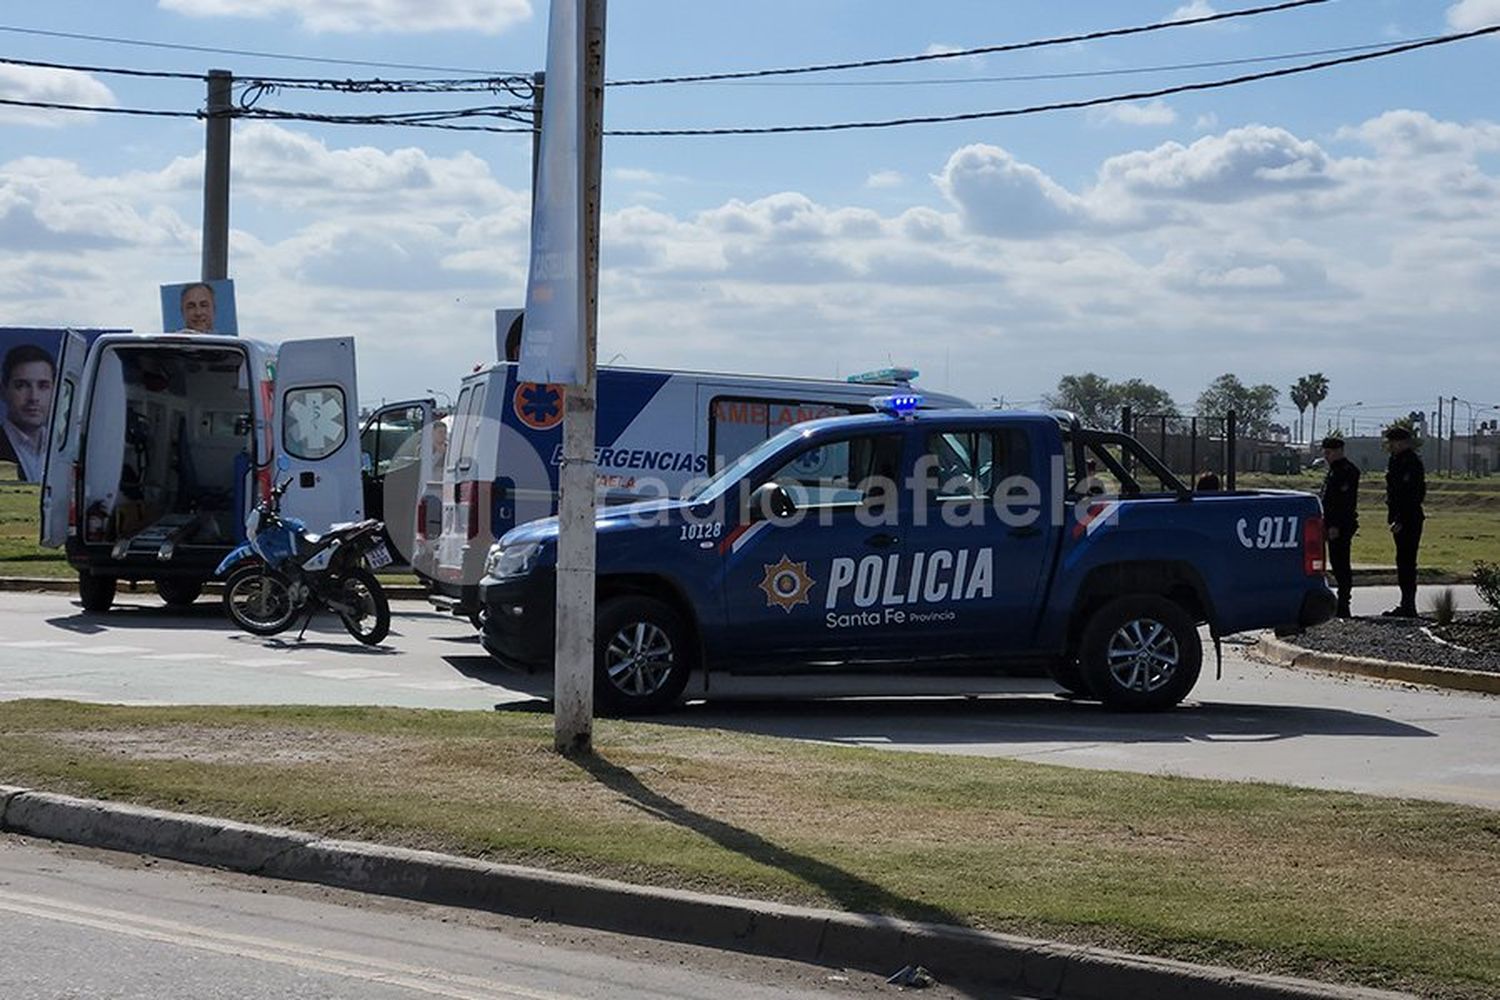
<point x="505" y="561"/>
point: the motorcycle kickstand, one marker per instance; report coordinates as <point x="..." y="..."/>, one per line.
<point x="305" y="622"/>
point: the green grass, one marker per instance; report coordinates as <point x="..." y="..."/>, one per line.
<point x="1341" y="887"/>
<point x="1463" y="519"/>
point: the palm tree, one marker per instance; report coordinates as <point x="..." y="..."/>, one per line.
<point x="1299" y="399"/>
<point x="1317" y="391"/>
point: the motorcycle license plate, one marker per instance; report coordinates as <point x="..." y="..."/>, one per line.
<point x="378" y="556"/>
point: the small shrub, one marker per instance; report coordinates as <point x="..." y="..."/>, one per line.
<point x="1487" y="582"/>
<point x="1445" y="606"/>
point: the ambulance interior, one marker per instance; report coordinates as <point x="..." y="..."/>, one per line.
<point x="169" y="448"/>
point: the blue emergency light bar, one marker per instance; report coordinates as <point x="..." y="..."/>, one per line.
<point x="885" y="376"/>
<point x="901" y="404"/>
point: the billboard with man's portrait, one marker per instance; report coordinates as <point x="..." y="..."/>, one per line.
<point x="28" y="383"/>
<point x="199" y="307"/>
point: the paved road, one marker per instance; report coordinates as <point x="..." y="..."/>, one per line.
<point x="81" y="923"/>
<point x="1257" y="723"/>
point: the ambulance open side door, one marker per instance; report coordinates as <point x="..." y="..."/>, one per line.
<point x="315" y="419"/>
<point x="66" y="427"/>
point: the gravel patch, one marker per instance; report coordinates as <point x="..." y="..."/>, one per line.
<point x="1472" y="642"/>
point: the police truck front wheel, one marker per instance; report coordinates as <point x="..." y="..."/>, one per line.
<point x="96" y="592"/>
<point x="642" y="656"/>
<point x="1141" y="653"/>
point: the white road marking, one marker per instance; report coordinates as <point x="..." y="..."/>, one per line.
<point x="349" y="674"/>
<point x="168" y="657"/>
<point x="111" y="650"/>
<point x="350" y="965"/>
<point x="445" y="685"/>
<point x="38" y="644"/>
<point x="60" y="694"/>
<point x="268" y="661"/>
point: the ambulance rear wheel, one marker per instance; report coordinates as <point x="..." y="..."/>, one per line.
<point x="96" y="593"/>
<point x="1141" y="653"/>
<point x="643" y="654"/>
<point x="179" y="592"/>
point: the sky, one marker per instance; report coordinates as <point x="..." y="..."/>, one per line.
<point x="1345" y="221"/>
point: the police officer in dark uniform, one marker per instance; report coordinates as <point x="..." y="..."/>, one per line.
<point x="1405" y="489"/>
<point x="1340" y="515"/>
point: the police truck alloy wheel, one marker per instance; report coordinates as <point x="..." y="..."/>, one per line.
<point x="179" y="593"/>
<point x="642" y="656"/>
<point x="96" y="593"/>
<point x="369" y="621"/>
<point x="259" y="600"/>
<point x="1141" y="653"/>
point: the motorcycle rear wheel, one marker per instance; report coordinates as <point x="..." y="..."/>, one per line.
<point x="259" y="600"/>
<point x="370" y="622"/>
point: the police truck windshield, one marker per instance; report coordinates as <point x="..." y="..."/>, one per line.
<point x="715" y="485"/>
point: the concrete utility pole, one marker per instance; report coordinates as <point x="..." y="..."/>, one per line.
<point x="538" y="92"/>
<point x="573" y="681"/>
<point x="216" y="176"/>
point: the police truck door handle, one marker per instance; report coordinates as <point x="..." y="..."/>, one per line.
<point x="1028" y="532"/>
<point x="881" y="541"/>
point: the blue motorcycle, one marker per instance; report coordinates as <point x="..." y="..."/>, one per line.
<point x="283" y="571"/>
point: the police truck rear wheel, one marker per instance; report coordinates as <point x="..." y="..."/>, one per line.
<point x="642" y="656"/>
<point x="96" y="593"/>
<point x="1141" y="653"/>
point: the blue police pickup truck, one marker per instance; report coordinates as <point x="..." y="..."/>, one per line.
<point x="915" y="540"/>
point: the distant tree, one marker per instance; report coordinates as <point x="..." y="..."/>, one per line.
<point x="1254" y="406"/>
<point x="1142" y="397"/>
<point x="1097" y="401"/>
<point x="1300" y="399"/>
<point x="1317" y="391"/>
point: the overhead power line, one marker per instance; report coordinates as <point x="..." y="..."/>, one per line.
<point x="1065" y="105"/>
<point x="444" y="119"/>
<point x="962" y="53"/>
<point x="1079" y="74"/>
<point x="180" y="47"/>
<point x="106" y="70"/>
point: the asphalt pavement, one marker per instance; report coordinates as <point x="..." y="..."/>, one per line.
<point x="1256" y="723"/>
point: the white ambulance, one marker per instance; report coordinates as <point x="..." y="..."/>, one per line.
<point x="656" y="432"/>
<point x="162" y="443"/>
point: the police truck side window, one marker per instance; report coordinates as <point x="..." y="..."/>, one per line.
<point x="841" y="473"/>
<point x="972" y="466"/>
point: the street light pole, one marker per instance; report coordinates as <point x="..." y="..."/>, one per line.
<point x="1338" y="413"/>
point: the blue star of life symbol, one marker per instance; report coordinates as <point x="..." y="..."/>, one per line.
<point x="542" y="405"/>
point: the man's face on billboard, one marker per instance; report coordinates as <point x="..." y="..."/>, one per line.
<point x="198" y="309"/>
<point x="28" y="395"/>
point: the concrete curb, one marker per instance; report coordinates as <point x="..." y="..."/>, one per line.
<point x="878" y="944"/>
<point x="1283" y="653"/>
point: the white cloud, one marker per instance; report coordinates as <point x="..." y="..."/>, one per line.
<point x="1250" y="250"/>
<point x="1153" y="113"/>
<point x="51" y="86"/>
<point x="998" y="195"/>
<point x="1188" y="11"/>
<point x="881" y="179"/>
<point x="1206" y="122"/>
<point x="1468" y="15"/>
<point x="486" y="16"/>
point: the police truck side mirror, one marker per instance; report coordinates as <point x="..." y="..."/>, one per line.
<point x="772" y="502"/>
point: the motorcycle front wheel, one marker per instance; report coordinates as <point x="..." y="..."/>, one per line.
<point x="259" y="600"/>
<point x="369" y="616"/>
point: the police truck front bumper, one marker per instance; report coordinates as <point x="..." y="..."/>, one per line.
<point x="520" y="621"/>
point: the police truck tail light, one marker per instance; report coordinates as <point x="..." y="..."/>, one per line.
<point x="1312" y="546"/>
